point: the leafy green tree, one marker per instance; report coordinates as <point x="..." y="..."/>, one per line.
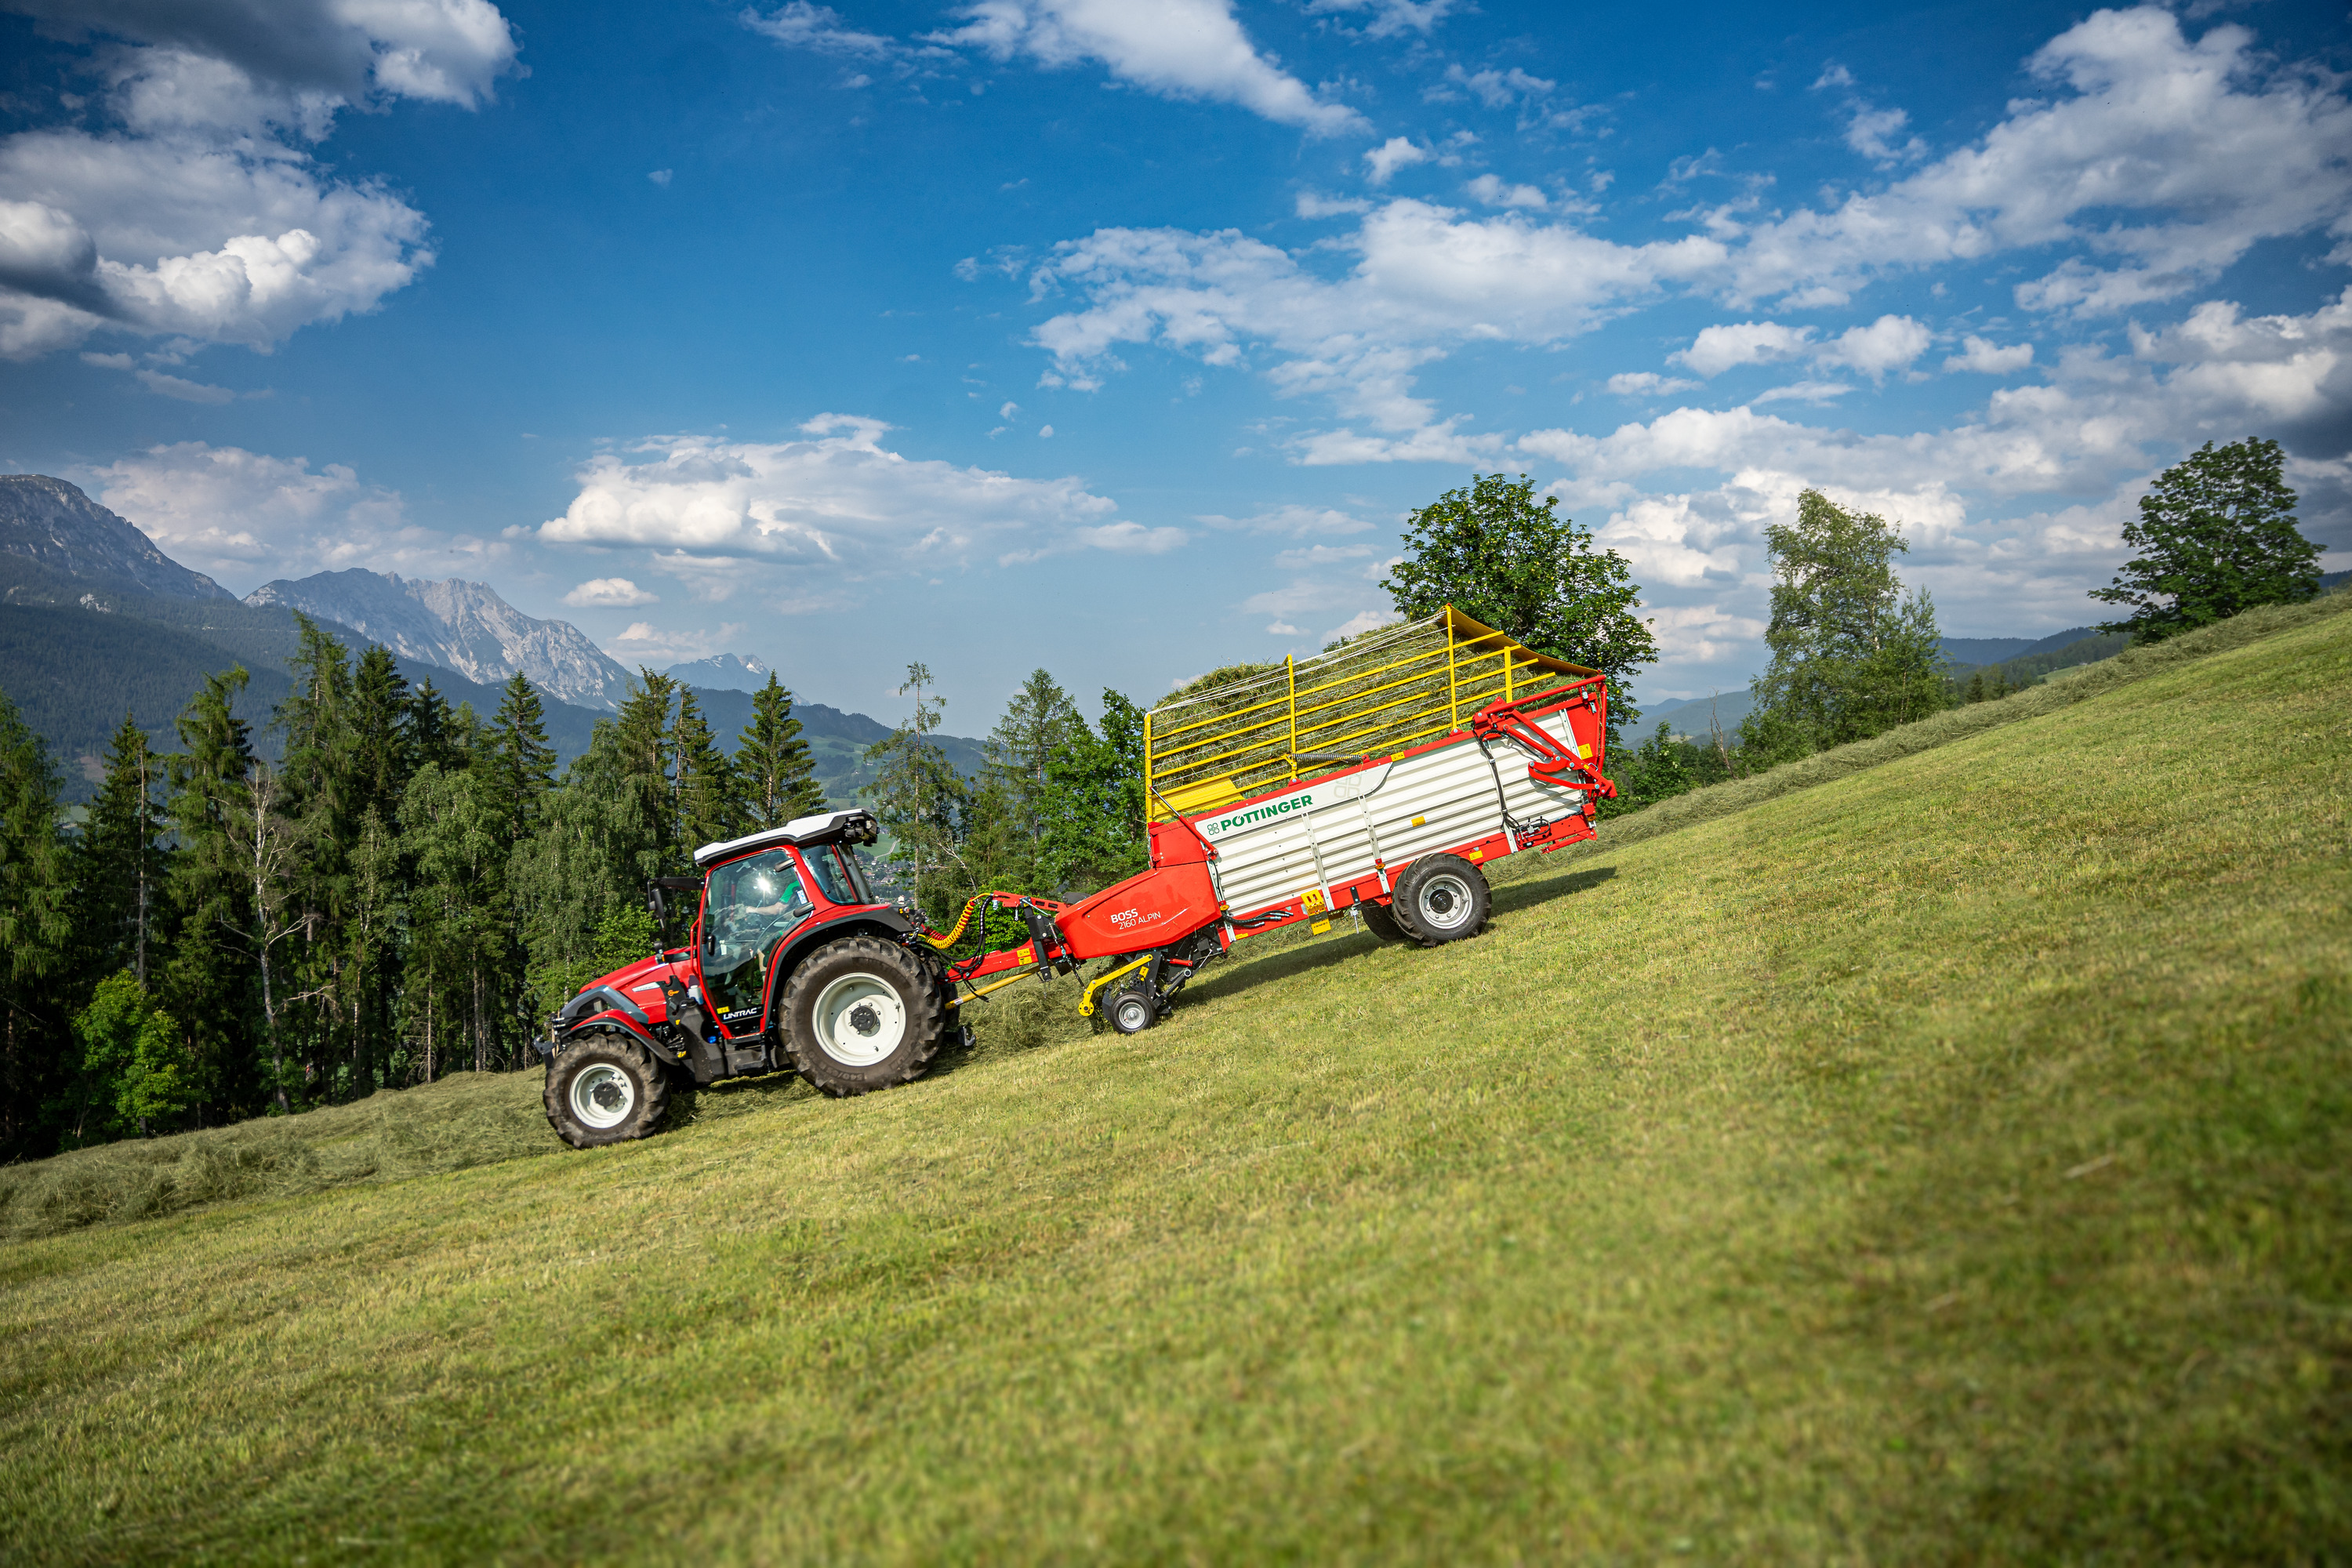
<point x="1500" y="558"/>
<point x="1092" y="808"/>
<point x="522" y="764"/>
<point x="129" y="1072"/>
<point x="35" y="926"/>
<point x="1852" y="655"/>
<point x="2216" y="535"/>
<point x="773" y="768"/>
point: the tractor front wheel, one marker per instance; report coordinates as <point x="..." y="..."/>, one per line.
<point x="604" y="1089"/>
<point x="861" y="1015"/>
<point x="1442" y="898"/>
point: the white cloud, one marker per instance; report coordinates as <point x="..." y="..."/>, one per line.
<point x="1872" y="132"/>
<point x="1648" y="384"/>
<point x="198" y="212"/>
<point x="1496" y="89"/>
<point x="246" y="517"/>
<point x="155" y="380"/>
<point x="1720" y="348"/>
<point x="1118" y="538"/>
<point x="1176" y="49"/>
<point x="609" y="591"/>
<point x="1803" y="391"/>
<point x="1396" y="153"/>
<point x="1490" y="191"/>
<point x="1294" y="522"/>
<point x="2158" y="158"/>
<point x="1889" y="343"/>
<point x="1362" y="621"/>
<point x="1391" y="17"/>
<point x="661" y="177"/>
<point x="1989" y="358"/>
<point x="1314" y="205"/>
<point x="820" y="29"/>
<point x="1425" y="280"/>
<point x="2179" y="155"/>
<point x="837" y="503"/>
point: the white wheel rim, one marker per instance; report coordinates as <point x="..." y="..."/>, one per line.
<point x="1443" y="903"/>
<point x="859" y="1020"/>
<point x="1132" y="1014"/>
<point x="603" y="1096"/>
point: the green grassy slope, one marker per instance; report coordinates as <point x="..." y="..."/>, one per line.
<point x="1951" y="1161"/>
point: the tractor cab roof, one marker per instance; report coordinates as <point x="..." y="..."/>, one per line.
<point x="855" y="827"/>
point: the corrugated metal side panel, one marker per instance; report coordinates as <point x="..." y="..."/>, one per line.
<point x="1372" y="815"/>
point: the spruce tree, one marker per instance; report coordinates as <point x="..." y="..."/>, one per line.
<point x="379" y="734"/>
<point x="917" y="792"/>
<point x="209" y="983"/>
<point x="772" y="764"/>
<point x="704" y="792"/>
<point x="2216" y="535"/>
<point x="120" y="860"/>
<point x="1039" y="720"/>
<point x="523" y="761"/>
<point x="436" y="732"/>
<point x="645" y="755"/>
<point x="35" y="926"/>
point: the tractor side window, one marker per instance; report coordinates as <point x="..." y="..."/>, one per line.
<point x="825" y="865"/>
<point x="753" y="904"/>
<point x="857" y="878"/>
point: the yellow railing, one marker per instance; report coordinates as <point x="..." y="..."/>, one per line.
<point x="1381" y="693"/>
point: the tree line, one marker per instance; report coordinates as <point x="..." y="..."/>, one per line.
<point x="411" y="889"/>
<point x="1854" y="655"/>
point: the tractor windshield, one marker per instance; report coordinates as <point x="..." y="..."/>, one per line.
<point x="753" y="903"/>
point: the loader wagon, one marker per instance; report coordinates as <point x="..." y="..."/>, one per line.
<point x="1373" y="783"/>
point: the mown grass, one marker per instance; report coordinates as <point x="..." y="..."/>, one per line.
<point x="1952" y="1162"/>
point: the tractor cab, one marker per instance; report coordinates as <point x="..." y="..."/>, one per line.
<point x="759" y="891"/>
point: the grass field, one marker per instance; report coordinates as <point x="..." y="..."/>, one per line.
<point x="1948" y="1161"/>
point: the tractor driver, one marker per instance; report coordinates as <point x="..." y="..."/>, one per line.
<point x="753" y="902"/>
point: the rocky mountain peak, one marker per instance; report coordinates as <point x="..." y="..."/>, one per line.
<point x="53" y="523"/>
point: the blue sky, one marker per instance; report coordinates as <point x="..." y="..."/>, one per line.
<point x="1119" y="338"/>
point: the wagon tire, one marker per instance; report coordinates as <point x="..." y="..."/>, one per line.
<point x="1131" y="1008"/>
<point x="1442" y="898"/>
<point x="860" y="1014"/>
<point x="1383" y="922"/>
<point x="604" y="1087"/>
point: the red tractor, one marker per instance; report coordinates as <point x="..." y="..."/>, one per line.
<point x="794" y="963"/>
<point x="1372" y="783"/>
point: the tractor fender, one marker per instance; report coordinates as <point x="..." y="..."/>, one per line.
<point x="875" y="920"/>
<point x="612" y="1018"/>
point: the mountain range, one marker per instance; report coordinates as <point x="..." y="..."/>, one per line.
<point x="459" y="625"/>
<point x="95" y="621"/>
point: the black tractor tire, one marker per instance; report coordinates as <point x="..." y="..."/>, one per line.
<point x="604" y="1087"/>
<point x="1442" y="898"/>
<point x="1129" y="1009"/>
<point x="860" y="1014"/>
<point x="1382" y="921"/>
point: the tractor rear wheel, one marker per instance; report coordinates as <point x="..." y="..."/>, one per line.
<point x="1442" y="898"/>
<point x="861" y="1015"/>
<point x="604" y="1089"/>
